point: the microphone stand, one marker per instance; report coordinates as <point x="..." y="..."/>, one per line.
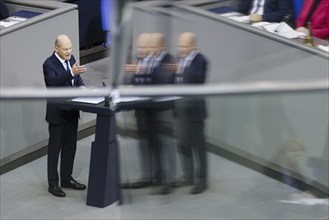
<point x="285" y="19"/>
<point x="107" y="99"/>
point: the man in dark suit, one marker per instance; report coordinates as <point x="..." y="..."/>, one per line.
<point x="152" y="67"/>
<point x="190" y="114"/>
<point x="267" y="10"/>
<point x="62" y="71"/>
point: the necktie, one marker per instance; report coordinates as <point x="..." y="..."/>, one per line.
<point x="181" y="66"/>
<point x="150" y="65"/>
<point x="140" y="67"/>
<point x="179" y="75"/>
<point x="67" y="65"/>
<point x="69" y="70"/>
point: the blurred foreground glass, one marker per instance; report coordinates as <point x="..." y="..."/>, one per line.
<point x="267" y="153"/>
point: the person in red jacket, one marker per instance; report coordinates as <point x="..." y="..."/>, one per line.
<point x="315" y="12"/>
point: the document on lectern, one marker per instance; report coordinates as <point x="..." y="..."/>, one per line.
<point x="89" y="100"/>
<point x="125" y="99"/>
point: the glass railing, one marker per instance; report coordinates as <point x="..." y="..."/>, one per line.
<point x="266" y="153"/>
<point x="264" y="118"/>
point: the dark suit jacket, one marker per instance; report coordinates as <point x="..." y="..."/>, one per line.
<point x="161" y="74"/>
<point x="193" y="109"/>
<point x="55" y="75"/>
<point x="158" y="75"/>
<point x="4" y="12"/>
<point x="274" y="10"/>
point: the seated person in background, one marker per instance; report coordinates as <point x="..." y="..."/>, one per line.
<point x="289" y="159"/>
<point x="267" y="10"/>
<point x="4" y="13"/>
<point x="315" y="12"/>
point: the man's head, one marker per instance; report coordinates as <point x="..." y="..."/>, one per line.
<point x="63" y="47"/>
<point x="186" y="43"/>
<point x="157" y="43"/>
<point x="143" y="45"/>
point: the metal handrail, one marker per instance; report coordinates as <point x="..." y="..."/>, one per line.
<point x="219" y="89"/>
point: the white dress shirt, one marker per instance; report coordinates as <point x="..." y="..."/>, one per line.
<point x="258" y="7"/>
<point x="64" y="65"/>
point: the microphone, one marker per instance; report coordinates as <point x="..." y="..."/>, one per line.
<point x="107" y="99"/>
<point x="285" y="19"/>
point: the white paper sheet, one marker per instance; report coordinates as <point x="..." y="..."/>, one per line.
<point x="242" y="19"/>
<point x="11" y="21"/>
<point x="16" y="18"/>
<point x="8" y="23"/>
<point x="89" y="100"/>
<point x="260" y="24"/>
<point x="284" y="30"/>
<point x="230" y="14"/>
<point x="130" y="99"/>
<point x="325" y="48"/>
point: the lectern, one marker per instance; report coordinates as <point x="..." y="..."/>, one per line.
<point x="104" y="174"/>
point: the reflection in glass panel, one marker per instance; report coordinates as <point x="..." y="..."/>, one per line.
<point x="265" y="153"/>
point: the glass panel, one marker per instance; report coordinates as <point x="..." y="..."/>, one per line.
<point x="266" y="156"/>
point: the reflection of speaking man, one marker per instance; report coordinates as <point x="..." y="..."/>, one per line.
<point x="190" y="113"/>
<point x="138" y="71"/>
<point x="62" y="71"/>
<point x="151" y="68"/>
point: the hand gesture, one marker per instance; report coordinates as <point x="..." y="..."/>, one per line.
<point x="130" y="68"/>
<point x="77" y="69"/>
<point x="171" y="67"/>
